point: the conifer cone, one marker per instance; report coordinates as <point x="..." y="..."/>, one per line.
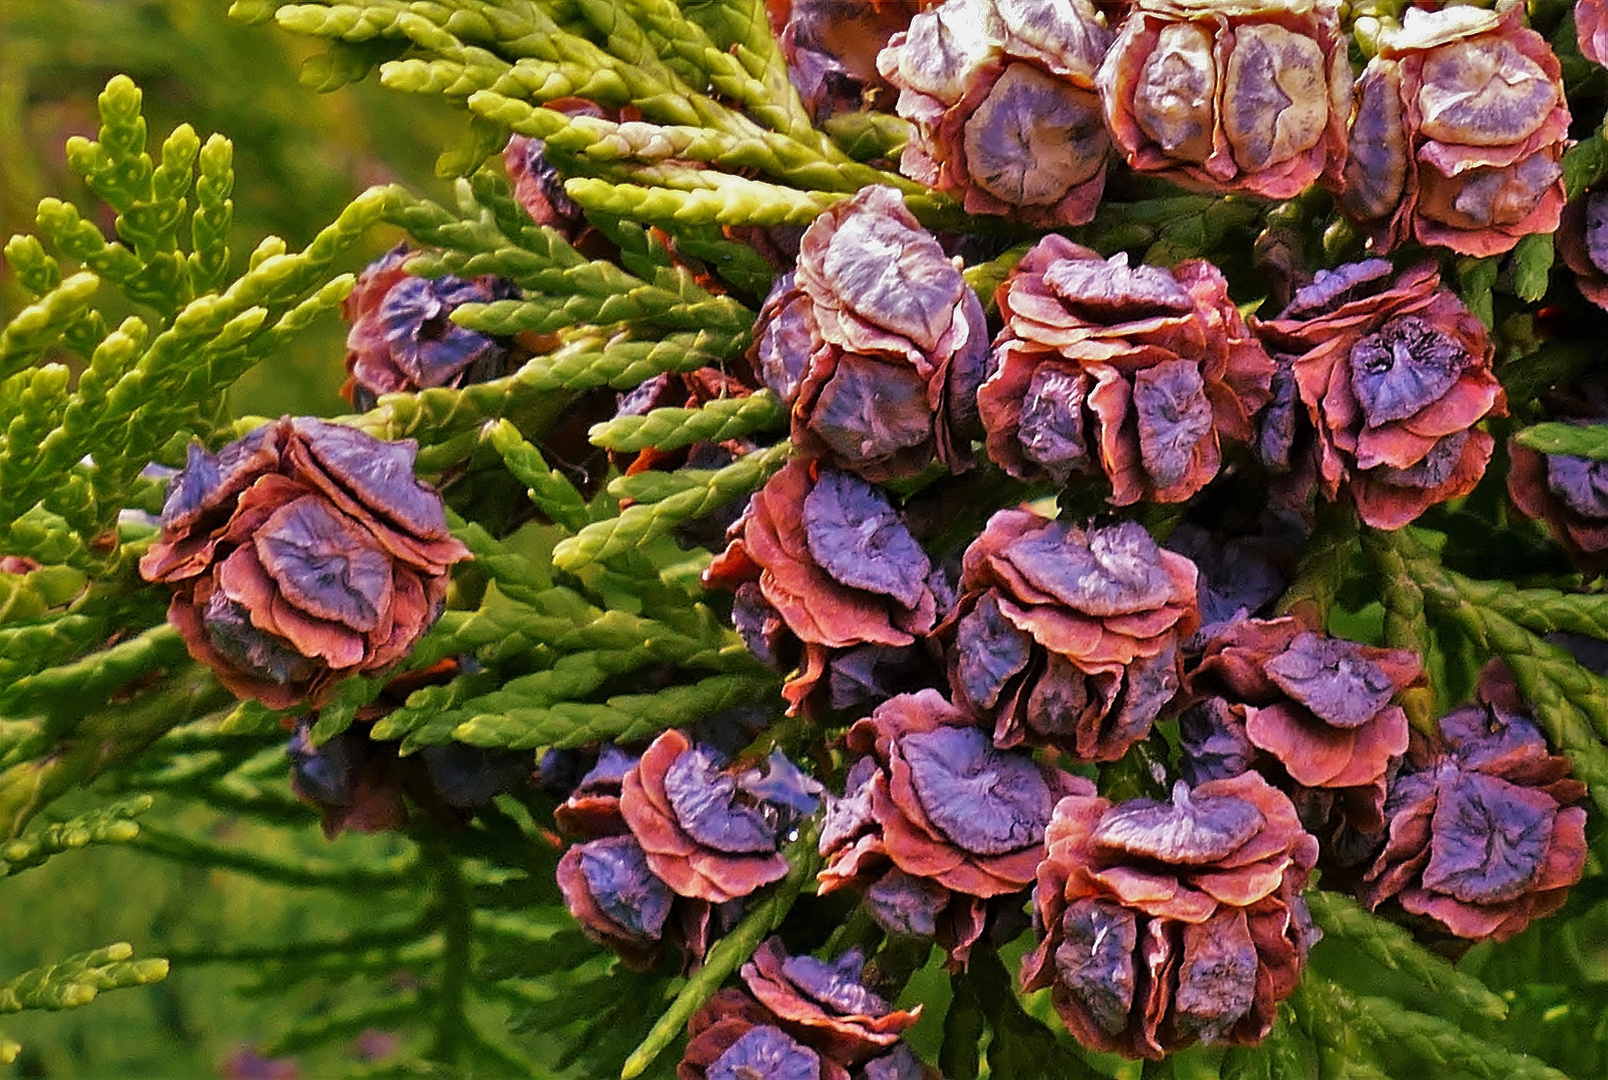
<point x="1164" y="924"/>
<point x="1320" y="711"/>
<point x="403" y="338"/>
<point x="1136" y="373"/>
<point x="1458" y="133"/>
<point x="1001" y="93"/>
<point x="822" y="563"/>
<point x="1570" y="494"/>
<point x="1249" y="96"/>
<point x="1069" y="637"/>
<point x="1392" y="372"/>
<point x="1483" y="833"/>
<point x="880" y="349"/>
<point x="300" y="554"/>
<point x="936" y="823"/>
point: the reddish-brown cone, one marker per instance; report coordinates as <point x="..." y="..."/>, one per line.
<point x="698" y="832"/>
<point x="831" y="50"/>
<point x="1483" y="834"/>
<point x="876" y="343"/>
<point x="1582" y="244"/>
<point x="300" y="554"/>
<point x="1165" y="924"/>
<point x="1069" y="637"/>
<point x="1393" y="373"/>
<point x="824" y="1004"/>
<point x="402" y="337"/>
<point x="936" y="821"/>
<point x="733" y="1036"/>
<point x="608" y="885"/>
<point x="1570" y="494"/>
<point x="1591" y="29"/>
<point x="1132" y="372"/>
<point x="1457" y="133"/>
<point x="1001" y="93"/>
<point x="1320" y="707"/>
<point x="1249" y="96"/>
<point x="823" y="559"/>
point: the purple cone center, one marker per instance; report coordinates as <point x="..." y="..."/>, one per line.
<point x="1333" y="678"/>
<point x="1188" y="831"/>
<point x="1489" y="839"/>
<point x="856" y="535"/>
<point x="835" y="985"/>
<point x="1114" y="571"/>
<point x="1407" y="365"/>
<point x="1582" y="484"/>
<point x="708" y="806"/>
<point x="1333" y="289"/>
<point x="1112" y="290"/>
<point x="622" y="886"/>
<point x="987" y="801"/>
<point x="765" y="1053"/>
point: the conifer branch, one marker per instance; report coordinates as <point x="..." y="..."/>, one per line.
<point x="111" y="824"/>
<point x="727" y="955"/>
<point x="77" y="981"/>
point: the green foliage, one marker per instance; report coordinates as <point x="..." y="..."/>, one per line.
<point x="111" y="824"/>
<point x="1587" y="442"/>
<point x="76" y="981"/>
<point x="140" y="319"/>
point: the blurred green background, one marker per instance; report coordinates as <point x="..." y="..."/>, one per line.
<point x="300" y="156"/>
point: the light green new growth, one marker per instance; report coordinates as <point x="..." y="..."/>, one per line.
<point x="641" y="522"/>
<point x="73" y="983"/>
<point x="580" y="620"/>
<point x="111" y="824"/>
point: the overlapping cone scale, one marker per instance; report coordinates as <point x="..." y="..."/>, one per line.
<point x="1168" y="923"/>
<point x="300" y="554"/>
<point x="936" y="821"/>
<point x="1069" y="637"/>
<point x="1134" y="373"/>
<point x="822" y="560"/>
<point x="1568" y="493"/>
<point x="875" y="342"/>
<point x="402" y="337"/>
